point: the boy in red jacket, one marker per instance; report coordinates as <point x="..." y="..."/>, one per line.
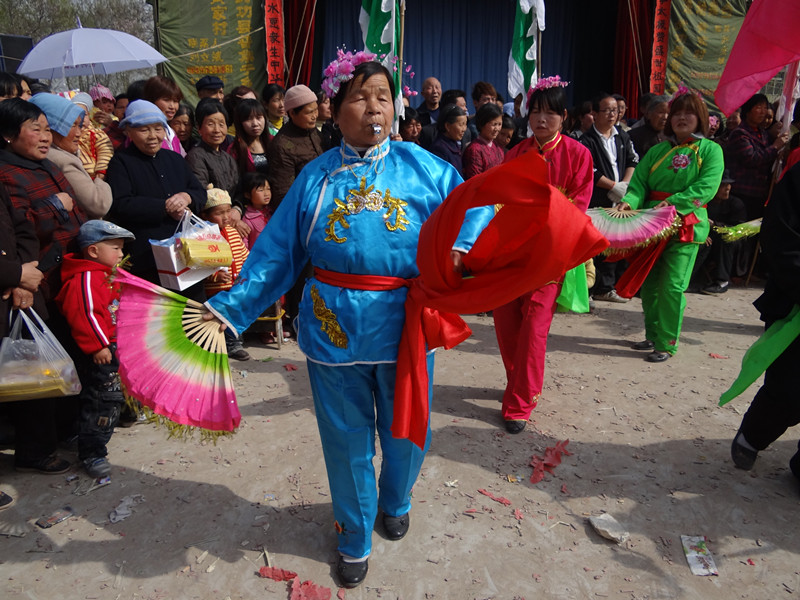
<point x="89" y="301"/>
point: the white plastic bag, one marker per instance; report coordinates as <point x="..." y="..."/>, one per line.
<point x="36" y="366"/>
<point x="173" y="271"/>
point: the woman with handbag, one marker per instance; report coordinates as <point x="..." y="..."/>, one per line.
<point x="34" y="420"/>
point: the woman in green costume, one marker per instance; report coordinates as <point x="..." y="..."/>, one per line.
<point x="684" y="171"/>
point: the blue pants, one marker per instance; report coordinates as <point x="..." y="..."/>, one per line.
<point x="350" y="403"/>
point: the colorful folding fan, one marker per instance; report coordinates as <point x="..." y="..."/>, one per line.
<point x="628" y="229"/>
<point x="172" y="361"/>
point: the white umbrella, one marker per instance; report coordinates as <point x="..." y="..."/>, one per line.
<point x="86" y="51"/>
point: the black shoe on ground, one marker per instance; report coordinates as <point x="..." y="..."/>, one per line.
<point x="744" y="458"/>
<point x="50" y="465"/>
<point x="239" y="354"/>
<point x="396" y="527"/>
<point x="643" y="345"/>
<point x="657" y="357"/>
<point x="351" y="574"/>
<point x="6" y="501"/>
<point x="715" y="289"/>
<point x="515" y="427"/>
<point x="97" y="467"/>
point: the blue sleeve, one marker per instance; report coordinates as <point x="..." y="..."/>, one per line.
<point x="275" y="262"/>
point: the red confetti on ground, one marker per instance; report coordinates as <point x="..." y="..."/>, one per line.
<point x="714" y="355"/>
<point x="290" y="367"/>
<point x="308" y="590"/>
<point x="276" y="574"/>
<point x="518" y="514"/>
<point x="340" y="594"/>
<point x="500" y="499"/>
<point x="564" y="489"/>
<point x="751" y="562"/>
<point x="551" y="459"/>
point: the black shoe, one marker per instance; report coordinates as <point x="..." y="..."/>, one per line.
<point x="643" y="345"/>
<point x="744" y="458"/>
<point x="51" y="465"/>
<point x="794" y="464"/>
<point x="6" y="501"/>
<point x="656" y="356"/>
<point x="351" y="574"/>
<point x="396" y="527"/>
<point x="716" y="289"/>
<point x="515" y="426"/>
<point x="239" y="354"/>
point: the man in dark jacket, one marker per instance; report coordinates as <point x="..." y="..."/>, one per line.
<point x="614" y="161"/>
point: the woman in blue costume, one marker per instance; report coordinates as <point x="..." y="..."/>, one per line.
<point x="355" y="213"/>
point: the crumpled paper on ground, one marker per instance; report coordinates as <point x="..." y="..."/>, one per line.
<point x="123" y="509"/>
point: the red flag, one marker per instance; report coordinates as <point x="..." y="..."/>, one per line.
<point x="767" y="42"/>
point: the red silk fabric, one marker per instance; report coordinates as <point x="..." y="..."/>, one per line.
<point x="535" y="238"/>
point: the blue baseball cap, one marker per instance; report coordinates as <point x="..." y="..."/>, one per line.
<point x="96" y="230"/>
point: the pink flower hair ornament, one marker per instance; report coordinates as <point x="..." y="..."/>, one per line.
<point x="545" y="83"/>
<point x="341" y="69"/>
<point x="682" y="91"/>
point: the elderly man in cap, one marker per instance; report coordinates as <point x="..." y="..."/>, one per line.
<point x="210" y="86"/>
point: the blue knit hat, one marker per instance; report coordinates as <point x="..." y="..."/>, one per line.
<point x="61" y="113"/>
<point x="142" y="112"/>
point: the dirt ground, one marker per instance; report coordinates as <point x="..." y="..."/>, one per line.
<point x="649" y="446"/>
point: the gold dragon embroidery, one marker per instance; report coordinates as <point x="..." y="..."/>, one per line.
<point x="330" y="323"/>
<point x="366" y="198"/>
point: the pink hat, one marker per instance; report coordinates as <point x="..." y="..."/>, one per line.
<point x="298" y="95"/>
<point x="98" y="91"/>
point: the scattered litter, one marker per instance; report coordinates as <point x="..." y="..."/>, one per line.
<point x="89" y="485"/>
<point x="199" y="560"/>
<point x="244" y="374"/>
<point x="500" y="499"/>
<point x="699" y="557"/>
<point x="58" y="516"/>
<point x="451" y="484"/>
<point x="123" y="510"/>
<point x="269" y="497"/>
<point x="212" y="566"/>
<point x="751" y="562"/>
<point x="609" y="528"/>
<point x="551" y="459"/>
<point x="268" y="359"/>
<point x="518" y="514"/>
<point x="564" y="489"/>
<point x="276" y="574"/>
<point x="514" y="478"/>
<point x="308" y="590"/>
<point x="715" y="355"/>
<point x="340" y="594"/>
<point x="290" y="367"/>
<point x="71" y="477"/>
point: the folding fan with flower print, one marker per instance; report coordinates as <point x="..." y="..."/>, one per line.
<point x="172" y="361"/>
<point x="628" y="229"/>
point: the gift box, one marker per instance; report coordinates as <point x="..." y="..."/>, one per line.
<point x="175" y="272"/>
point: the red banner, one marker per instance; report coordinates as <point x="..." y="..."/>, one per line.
<point x="658" y="63"/>
<point x="273" y="23"/>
